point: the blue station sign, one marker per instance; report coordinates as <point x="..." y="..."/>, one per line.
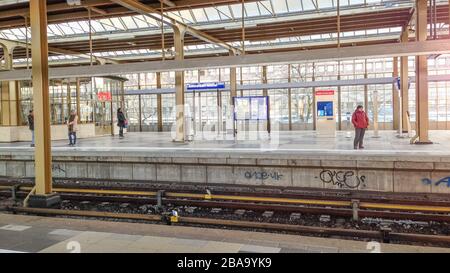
<point x="205" y="85"/>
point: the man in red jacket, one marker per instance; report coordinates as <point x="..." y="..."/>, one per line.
<point x="361" y="122"/>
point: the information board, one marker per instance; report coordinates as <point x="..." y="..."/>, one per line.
<point x="251" y="108"/>
<point x="325" y="108"/>
<point x="205" y="85"/>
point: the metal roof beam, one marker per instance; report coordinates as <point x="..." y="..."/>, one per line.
<point x="143" y="9"/>
<point x="301" y="56"/>
<point x="13" y="44"/>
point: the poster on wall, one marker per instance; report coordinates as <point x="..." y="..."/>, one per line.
<point x="251" y="108"/>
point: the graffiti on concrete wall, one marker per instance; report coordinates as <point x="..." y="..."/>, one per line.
<point x="263" y="175"/>
<point x="342" y="179"/>
<point x="58" y="168"/>
<point x="445" y="180"/>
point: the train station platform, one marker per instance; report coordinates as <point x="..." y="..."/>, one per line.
<point x="284" y="141"/>
<point x="19" y="233"/>
<point x="286" y="160"/>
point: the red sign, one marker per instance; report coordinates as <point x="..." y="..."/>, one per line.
<point x="325" y="93"/>
<point x="104" y="96"/>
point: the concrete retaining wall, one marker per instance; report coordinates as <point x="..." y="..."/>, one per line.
<point x="395" y="173"/>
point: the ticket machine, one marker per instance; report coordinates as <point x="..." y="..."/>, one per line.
<point x="326" y="113"/>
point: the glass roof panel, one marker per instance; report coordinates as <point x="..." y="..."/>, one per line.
<point x="237" y="10"/>
<point x="116" y="23"/>
<point x="212" y="17"/>
<point x="97" y="27"/>
<point x="279" y="6"/>
<point x="76" y="27"/>
<point x="187" y="16"/>
<point x="140" y="21"/>
<point x="176" y="15"/>
<point x="356" y="2"/>
<point x="200" y="15"/>
<point x="308" y="5"/>
<point x="212" y="14"/>
<point x="265" y="7"/>
<point x="294" y="5"/>
<point x="224" y="12"/>
<point x="84" y="25"/>
<point x="151" y="21"/>
<point x="53" y="29"/>
<point x="129" y="22"/>
<point x="326" y="4"/>
<point x="251" y="9"/>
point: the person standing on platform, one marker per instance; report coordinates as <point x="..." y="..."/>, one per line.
<point x="121" y="121"/>
<point x="360" y="121"/>
<point x="72" y="125"/>
<point x="31" y="126"/>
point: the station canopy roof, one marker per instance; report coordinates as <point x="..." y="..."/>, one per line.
<point x="270" y="25"/>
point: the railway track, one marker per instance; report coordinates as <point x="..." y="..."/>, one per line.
<point x="382" y="235"/>
<point x="433" y="213"/>
<point x="430" y="211"/>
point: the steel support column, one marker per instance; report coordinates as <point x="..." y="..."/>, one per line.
<point x="69" y="97"/>
<point x="159" y="102"/>
<point x="339" y="98"/>
<point x="395" y="97"/>
<point x="289" y="99"/>
<point x="78" y="100"/>
<point x="233" y="93"/>
<point x="43" y="157"/>
<point x="404" y="82"/>
<point x="314" y="106"/>
<point x="421" y="76"/>
<point x="366" y="90"/>
<point x="266" y="93"/>
<point x="178" y="36"/>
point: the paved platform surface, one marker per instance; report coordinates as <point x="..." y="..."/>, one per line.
<point x="283" y="142"/>
<point x="19" y="233"/>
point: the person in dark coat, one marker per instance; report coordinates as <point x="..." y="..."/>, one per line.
<point x="31" y="126"/>
<point x="121" y="121"/>
<point x="360" y="121"/>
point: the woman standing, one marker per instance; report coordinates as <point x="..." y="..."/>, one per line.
<point x="121" y="121"/>
<point x="72" y="125"/>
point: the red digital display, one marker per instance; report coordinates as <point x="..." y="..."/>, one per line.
<point x="324" y="92"/>
<point x="104" y="96"/>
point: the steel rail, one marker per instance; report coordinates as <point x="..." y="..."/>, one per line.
<point x="297" y="201"/>
<point x="313" y="230"/>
